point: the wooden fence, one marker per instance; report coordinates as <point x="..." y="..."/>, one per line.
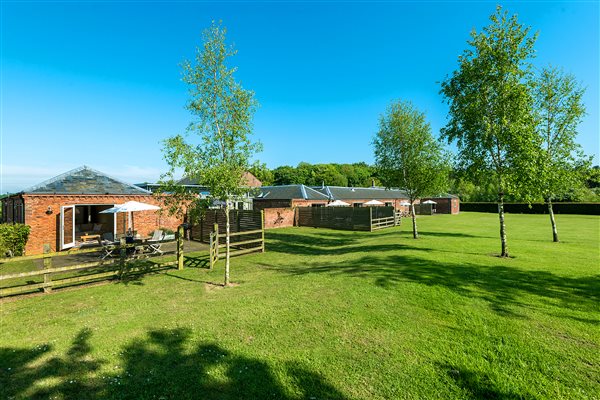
<point x="240" y="242"/>
<point x="93" y="271"/>
<point x="239" y="221"/>
<point x="348" y="218"/>
<point x="386" y="222"/>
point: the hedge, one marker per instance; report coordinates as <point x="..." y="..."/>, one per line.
<point x="535" y="208"/>
<point x="13" y="238"/>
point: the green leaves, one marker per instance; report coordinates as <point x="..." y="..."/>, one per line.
<point x="406" y="154"/>
<point x="559" y="109"/>
<point x="490" y="116"/>
<point x="216" y="148"/>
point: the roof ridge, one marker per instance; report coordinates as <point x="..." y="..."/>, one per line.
<point x="313" y="190"/>
<point x="78" y="169"/>
<point x="53" y="179"/>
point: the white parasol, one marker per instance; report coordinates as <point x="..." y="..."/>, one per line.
<point x="130" y="207"/>
<point x="338" y="203"/>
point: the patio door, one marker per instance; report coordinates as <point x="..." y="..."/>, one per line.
<point x="67" y="227"/>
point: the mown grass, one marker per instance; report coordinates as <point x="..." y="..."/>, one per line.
<point x="329" y="315"/>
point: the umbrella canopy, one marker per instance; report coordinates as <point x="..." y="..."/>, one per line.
<point x="405" y="203"/>
<point x="429" y="202"/>
<point x="338" y="203"/>
<point x="373" y="203"/>
<point x="129" y="207"/>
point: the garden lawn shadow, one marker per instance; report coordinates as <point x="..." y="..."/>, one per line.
<point x="162" y="364"/>
<point x="502" y="286"/>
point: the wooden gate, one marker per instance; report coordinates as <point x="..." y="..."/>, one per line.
<point x="240" y="242"/>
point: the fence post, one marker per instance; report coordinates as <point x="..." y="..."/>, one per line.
<point x="47" y="265"/>
<point x="210" y="250"/>
<point x="122" y="256"/>
<point x="180" y="247"/>
<point x="371" y="218"/>
<point x="262" y="227"/>
<point x="216" y="230"/>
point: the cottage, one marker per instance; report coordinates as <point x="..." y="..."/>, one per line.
<point x="244" y="202"/>
<point x="358" y="196"/>
<point x="445" y="203"/>
<point x="65" y="211"/>
<point x="318" y="196"/>
<point x="289" y="196"/>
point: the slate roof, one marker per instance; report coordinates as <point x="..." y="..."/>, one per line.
<point x="248" y="177"/>
<point x="286" y="192"/>
<point x="361" y="193"/>
<point x="84" y="180"/>
<point x="443" y="196"/>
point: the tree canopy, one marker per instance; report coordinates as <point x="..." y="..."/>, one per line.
<point x="408" y="156"/>
<point x="491" y="107"/>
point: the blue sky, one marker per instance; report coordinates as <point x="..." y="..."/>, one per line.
<point x="99" y="83"/>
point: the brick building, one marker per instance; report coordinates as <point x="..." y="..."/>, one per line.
<point x="445" y="203"/>
<point x="243" y="202"/>
<point x="61" y="210"/>
<point x="279" y="202"/>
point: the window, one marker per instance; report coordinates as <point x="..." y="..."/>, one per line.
<point x="358" y="204"/>
<point x="389" y="204"/>
<point x="317" y="205"/>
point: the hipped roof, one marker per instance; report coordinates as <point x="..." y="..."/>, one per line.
<point x="85" y="180"/>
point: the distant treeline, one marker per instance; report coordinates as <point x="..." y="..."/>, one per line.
<point x="362" y="174"/>
<point x="357" y="174"/>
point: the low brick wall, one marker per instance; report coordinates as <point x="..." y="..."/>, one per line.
<point x="279" y="217"/>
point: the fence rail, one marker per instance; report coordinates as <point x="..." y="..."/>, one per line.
<point x="93" y="271"/>
<point x="385" y="222"/>
<point x="248" y="241"/>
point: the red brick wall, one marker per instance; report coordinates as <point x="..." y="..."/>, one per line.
<point x="279" y="217"/>
<point x="250" y="180"/>
<point x="45" y="227"/>
<point x="445" y="205"/>
<point x="307" y="203"/>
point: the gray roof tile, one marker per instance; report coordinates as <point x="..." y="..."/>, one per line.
<point x="84" y="180"/>
<point x="285" y="192"/>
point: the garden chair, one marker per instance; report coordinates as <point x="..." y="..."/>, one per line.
<point x="154" y="242"/>
<point x="108" y="247"/>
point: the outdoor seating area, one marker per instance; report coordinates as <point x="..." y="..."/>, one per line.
<point x="143" y="247"/>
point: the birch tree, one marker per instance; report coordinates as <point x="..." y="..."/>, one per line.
<point x="491" y="107"/>
<point x="408" y="156"/>
<point x="217" y="146"/>
<point x="559" y="110"/>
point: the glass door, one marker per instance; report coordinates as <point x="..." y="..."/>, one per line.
<point x="67" y="227"/>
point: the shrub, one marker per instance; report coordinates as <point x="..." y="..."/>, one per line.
<point x="535" y="208"/>
<point x="13" y="238"/>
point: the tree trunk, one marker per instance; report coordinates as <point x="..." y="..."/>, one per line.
<point x="226" y="243"/>
<point x="552" y="221"/>
<point x="414" y="221"/>
<point x="502" y="226"/>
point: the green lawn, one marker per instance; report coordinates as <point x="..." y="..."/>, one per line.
<point x="329" y="314"/>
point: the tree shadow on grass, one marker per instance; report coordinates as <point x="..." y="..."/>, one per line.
<point x="479" y="385"/>
<point x="310" y="237"/>
<point x="451" y="234"/>
<point x="161" y="364"/>
<point x="68" y="376"/>
<point x="501" y="286"/>
<point x="200" y="261"/>
<point x="301" y="244"/>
